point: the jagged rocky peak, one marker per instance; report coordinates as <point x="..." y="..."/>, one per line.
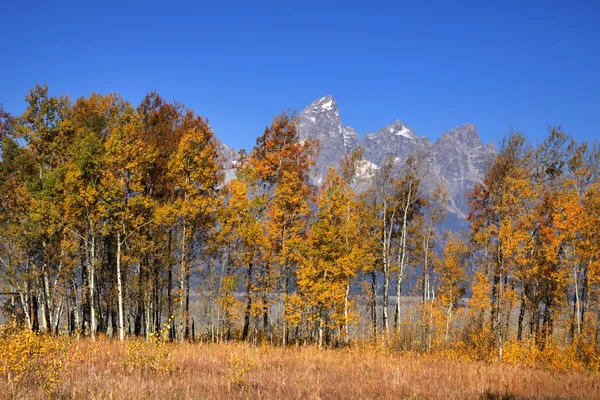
<point x="395" y="140"/>
<point x="325" y="104"/>
<point x="457" y="158"/>
<point x="321" y="120"/>
<point x="466" y="139"/>
<point x="399" y="129"/>
<point x="321" y="110"/>
<point x="462" y="159"/>
<point x="466" y="135"/>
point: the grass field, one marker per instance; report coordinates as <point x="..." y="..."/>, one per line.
<point x="136" y="370"/>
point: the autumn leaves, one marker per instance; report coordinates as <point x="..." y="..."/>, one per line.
<point x="535" y="239"/>
<point x="114" y="217"/>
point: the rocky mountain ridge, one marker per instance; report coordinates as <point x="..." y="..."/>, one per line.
<point x="458" y="158"/>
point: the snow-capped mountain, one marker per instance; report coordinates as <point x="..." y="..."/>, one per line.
<point x="458" y="158"/>
<point x="321" y="121"/>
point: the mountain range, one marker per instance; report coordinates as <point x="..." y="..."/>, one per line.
<point x="458" y="158"/>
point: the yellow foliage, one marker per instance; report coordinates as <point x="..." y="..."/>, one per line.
<point x="529" y="354"/>
<point x="153" y="355"/>
<point x="27" y="355"/>
<point x="238" y="368"/>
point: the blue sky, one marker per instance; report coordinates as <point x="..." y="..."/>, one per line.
<point x="434" y="65"/>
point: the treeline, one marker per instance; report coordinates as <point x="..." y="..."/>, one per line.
<point x="114" y="216"/>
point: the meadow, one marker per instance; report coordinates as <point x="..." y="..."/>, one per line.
<point x="119" y="223"/>
<point x="37" y="366"/>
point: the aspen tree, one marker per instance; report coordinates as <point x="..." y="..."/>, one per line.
<point x="278" y="173"/>
<point x="128" y="160"/>
<point x="196" y="173"/>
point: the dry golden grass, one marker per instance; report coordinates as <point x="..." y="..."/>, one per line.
<point x="106" y="370"/>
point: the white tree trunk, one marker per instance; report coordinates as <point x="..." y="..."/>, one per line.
<point x="182" y="275"/>
<point x="91" y="272"/>
<point x="402" y="258"/>
<point x="120" y="322"/>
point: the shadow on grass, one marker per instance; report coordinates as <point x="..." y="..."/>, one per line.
<point x="490" y="395"/>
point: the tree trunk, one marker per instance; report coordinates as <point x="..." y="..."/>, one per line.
<point x="521" y="316"/>
<point x="585" y="292"/>
<point x="397" y="315"/>
<point x="25" y="307"/>
<point x="34" y="312"/>
<point x="187" y="304"/>
<point x="386" y="284"/>
<point x="47" y="299"/>
<point x="448" y="321"/>
<point x="374" y="303"/>
<point x="346" y="316"/>
<point x="265" y="299"/>
<point x="182" y="275"/>
<point x="170" y="316"/>
<point x="320" y="332"/>
<point x="91" y="272"/>
<point x="387" y="241"/>
<point x="120" y="321"/>
<point x="248" y="303"/>
<point x="58" y="315"/>
<point x="577" y="303"/>
<point x="286" y="289"/>
<point x="402" y="260"/>
<point x="45" y="327"/>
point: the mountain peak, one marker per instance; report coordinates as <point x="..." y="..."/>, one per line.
<point x="323" y="104"/>
<point x="321" y="121"/>
<point x="466" y="134"/>
<point x="322" y="111"/>
<point x="457" y="158"/>
<point x="398" y="128"/>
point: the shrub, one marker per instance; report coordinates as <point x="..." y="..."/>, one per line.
<point x="153" y="355"/>
<point x="27" y="355"/>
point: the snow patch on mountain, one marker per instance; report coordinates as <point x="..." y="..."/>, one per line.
<point x="405" y="132"/>
<point x="366" y="169"/>
<point x="327" y="106"/>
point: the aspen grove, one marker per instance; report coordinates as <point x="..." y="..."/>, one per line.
<point x="117" y="220"/>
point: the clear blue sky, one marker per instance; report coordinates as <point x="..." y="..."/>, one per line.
<point x="434" y="65"/>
